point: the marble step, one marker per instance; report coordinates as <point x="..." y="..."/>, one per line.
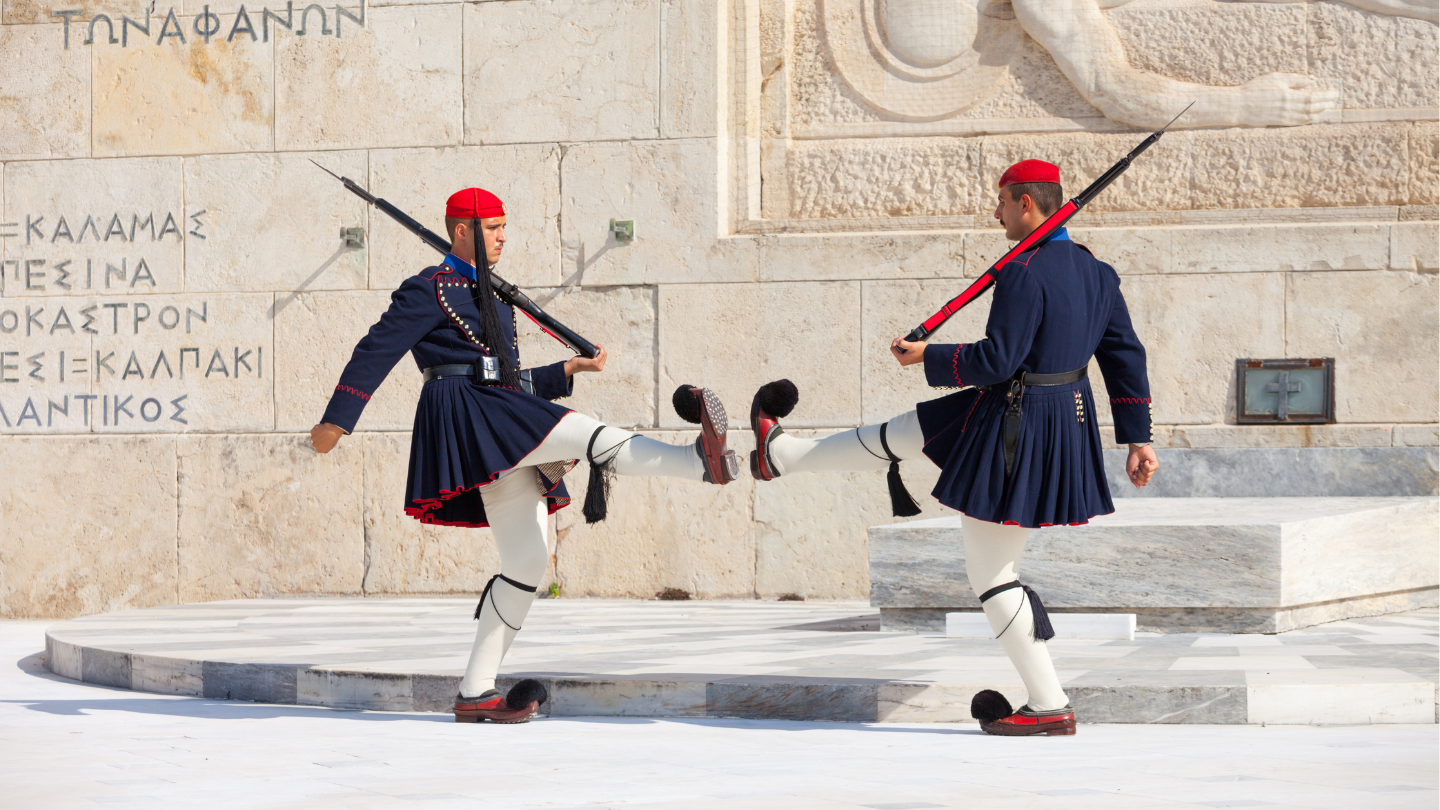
<point x="1219" y="565"/>
<point x="742" y="658"/>
<point x="1107" y="626"/>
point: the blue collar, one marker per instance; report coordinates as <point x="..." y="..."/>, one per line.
<point x="461" y="266"/>
<point x="1060" y="236"/>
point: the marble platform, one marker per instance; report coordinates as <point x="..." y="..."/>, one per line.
<point x="1222" y="565"/>
<point x="745" y="659"/>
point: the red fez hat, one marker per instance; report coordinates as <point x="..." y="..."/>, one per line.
<point x="472" y="203"/>
<point x="1030" y="171"/>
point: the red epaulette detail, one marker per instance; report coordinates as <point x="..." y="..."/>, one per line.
<point x="356" y="391"/>
<point x="1130" y="400"/>
<point x="1082" y="247"/>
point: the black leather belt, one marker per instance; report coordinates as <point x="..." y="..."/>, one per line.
<point x="1027" y="378"/>
<point x="1010" y="424"/>
<point x="486" y="372"/>
<point x="449" y="370"/>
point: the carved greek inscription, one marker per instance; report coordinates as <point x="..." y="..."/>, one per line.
<point x="207" y="25"/>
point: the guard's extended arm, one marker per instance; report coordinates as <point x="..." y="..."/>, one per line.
<point x="411" y="316"/>
<point x="551" y="382"/>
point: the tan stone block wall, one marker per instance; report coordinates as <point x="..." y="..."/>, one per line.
<point x="46" y="108"/>
<point x="771" y="242"/>
<point x="80" y="533"/>
<point x="272" y="517"/>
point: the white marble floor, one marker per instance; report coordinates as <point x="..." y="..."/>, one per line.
<point x="609" y="657"/>
<point x="65" y="744"/>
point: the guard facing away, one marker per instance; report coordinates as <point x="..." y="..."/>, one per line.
<point x="1018" y="446"/>
<point x="489" y="446"/>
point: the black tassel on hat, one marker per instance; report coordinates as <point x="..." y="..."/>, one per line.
<point x="489" y="318"/>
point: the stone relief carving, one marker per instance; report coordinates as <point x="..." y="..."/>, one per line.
<point x="925" y="60"/>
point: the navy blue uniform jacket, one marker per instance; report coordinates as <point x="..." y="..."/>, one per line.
<point x="465" y="435"/>
<point x="1054" y="308"/>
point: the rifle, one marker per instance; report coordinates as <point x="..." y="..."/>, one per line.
<point x="507" y="292"/>
<point x="1053" y="223"/>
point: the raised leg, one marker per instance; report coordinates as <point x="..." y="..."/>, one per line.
<point x="858" y="449"/>
<point x="634" y="454"/>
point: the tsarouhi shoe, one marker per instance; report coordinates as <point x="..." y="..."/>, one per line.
<point x="773" y="402"/>
<point x="996" y="717"/>
<point x="701" y="406"/>
<point x="494" y="706"/>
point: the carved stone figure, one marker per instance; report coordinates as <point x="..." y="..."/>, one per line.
<point x="929" y="59"/>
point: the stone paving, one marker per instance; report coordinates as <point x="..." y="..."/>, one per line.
<point x="748" y="659"/>
<point x="72" y="745"/>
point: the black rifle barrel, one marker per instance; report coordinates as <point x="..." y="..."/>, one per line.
<point x="508" y="292"/>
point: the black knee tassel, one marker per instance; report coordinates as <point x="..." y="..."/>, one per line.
<point x="597" y="492"/>
<point x="901" y="503"/>
<point x="1044" y="631"/>
<point x="1041" y="629"/>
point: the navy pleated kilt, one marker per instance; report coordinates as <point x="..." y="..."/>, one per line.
<point x="465" y="436"/>
<point x="1059" y="475"/>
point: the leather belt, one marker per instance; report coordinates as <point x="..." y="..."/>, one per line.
<point x="1010" y="423"/>
<point x="1027" y="378"/>
<point x="448" y="370"/>
<point x="486" y="372"/>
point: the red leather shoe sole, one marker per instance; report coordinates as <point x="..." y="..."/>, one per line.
<point x="720" y="461"/>
<point x="1062" y="726"/>
<point x="503" y="715"/>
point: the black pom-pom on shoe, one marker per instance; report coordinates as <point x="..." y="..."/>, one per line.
<point x="989" y="706"/>
<point x="526" y="692"/>
<point x="687" y="405"/>
<point x="777" y="398"/>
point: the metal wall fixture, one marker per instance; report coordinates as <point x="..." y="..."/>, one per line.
<point x="623" y="230"/>
<point x="354" y="237"/>
<point x="1285" y="392"/>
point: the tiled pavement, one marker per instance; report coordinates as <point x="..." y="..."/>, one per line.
<point x="745" y="659"/>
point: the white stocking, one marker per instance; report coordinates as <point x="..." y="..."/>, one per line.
<point x="634" y="454"/>
<point x="858" y="449"/>
<point x="992" y="555"/>
<point x="516" y="510"/>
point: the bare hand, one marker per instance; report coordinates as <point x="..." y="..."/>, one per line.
<point x="578" y="364"/>
<point x="907" y="353"/>
<point x="1141" y="464"/>
<point x="324" y="436"/>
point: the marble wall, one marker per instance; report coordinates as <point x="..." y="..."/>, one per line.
<point x="176" y="300"/>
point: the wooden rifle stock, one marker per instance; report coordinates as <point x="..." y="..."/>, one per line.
<point x="508" y="292"/>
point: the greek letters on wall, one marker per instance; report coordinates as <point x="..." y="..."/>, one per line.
<point x="92" y="341"/>
<point x="207" y="26"/>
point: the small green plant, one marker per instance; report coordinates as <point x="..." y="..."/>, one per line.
<point x="554" y="591"/>
<point x="673" y="595"/>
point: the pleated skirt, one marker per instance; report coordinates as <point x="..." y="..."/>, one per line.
<point x="1059" y="473"/>
<point x="466" y="436"/>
